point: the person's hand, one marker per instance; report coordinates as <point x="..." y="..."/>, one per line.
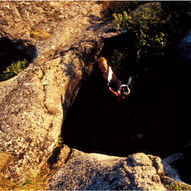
<point x="120" y="97"/>
<point x="114" y="93"/>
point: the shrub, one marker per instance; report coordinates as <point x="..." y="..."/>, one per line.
<point x="15" y="68"/>
<point x="120" y="6"/>
<point x="146" y="23"/>
<point x="59" y="142"/>
<point x="178" y="186"/>
<point x="158" y="27"/>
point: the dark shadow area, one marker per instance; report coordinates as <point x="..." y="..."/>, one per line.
<point x="153" y="119"/>
<point x="14" y="50"/>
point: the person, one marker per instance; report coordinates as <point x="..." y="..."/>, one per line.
<point x="113" y="83"/>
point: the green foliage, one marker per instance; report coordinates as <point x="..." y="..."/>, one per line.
<point x="120" y="20"/>
<point x="146" y="23"/>
<point x="15" y="68"/>
<point x="118" y="61"/>
<point x="179" y="186"/>
<point x="59" y="142"/>
<point x="120" y="6"/>
<point x="158" y="27"/>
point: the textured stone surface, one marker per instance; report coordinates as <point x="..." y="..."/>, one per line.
<point x="168" y="162"/>
<point x="83" y="171"/>
<point x="34" y="103"/>
<point x="4" y="159"/>
<point x="101" y="172"/>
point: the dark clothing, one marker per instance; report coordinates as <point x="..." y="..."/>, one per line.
<point x="101" y="83"/>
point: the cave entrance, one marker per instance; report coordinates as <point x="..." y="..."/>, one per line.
<point x="95" y="122"/>
<point x="15" y="55"/>
<point x="144" y="122"/>
<point x="98" y="123"/>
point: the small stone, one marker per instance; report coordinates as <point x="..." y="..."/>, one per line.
<point x="39" y="34"/>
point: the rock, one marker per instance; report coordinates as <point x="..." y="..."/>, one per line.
<point x="185" y="47"/>
<point x="83" y="171"/>
<point x="4" y="159"/>
<point x="102" y="172"/>
<point x="68" y="37"/>
<point x="169" y="170"/>
<point x="39" y="34"/>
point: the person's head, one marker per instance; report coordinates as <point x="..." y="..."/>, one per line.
<point x="102" y="62"/>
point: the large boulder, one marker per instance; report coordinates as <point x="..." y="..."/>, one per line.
<point x="101" y="172"/>
<point x="68" y="37"/>
<point x="83" y="171"/>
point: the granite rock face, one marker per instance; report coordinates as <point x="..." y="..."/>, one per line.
<point x="68" y="37"/>
<point x="93" y="171"/>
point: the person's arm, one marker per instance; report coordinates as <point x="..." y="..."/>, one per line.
<point x="117" y="94"/>
<point x="113" y="92"/>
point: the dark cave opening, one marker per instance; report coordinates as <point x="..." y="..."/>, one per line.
<point x="153" y="119"/>
<point x="13" y="51"/>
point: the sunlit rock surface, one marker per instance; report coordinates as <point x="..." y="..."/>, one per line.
<point x="68" y="37"/>
<point x="83" y="171"/>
